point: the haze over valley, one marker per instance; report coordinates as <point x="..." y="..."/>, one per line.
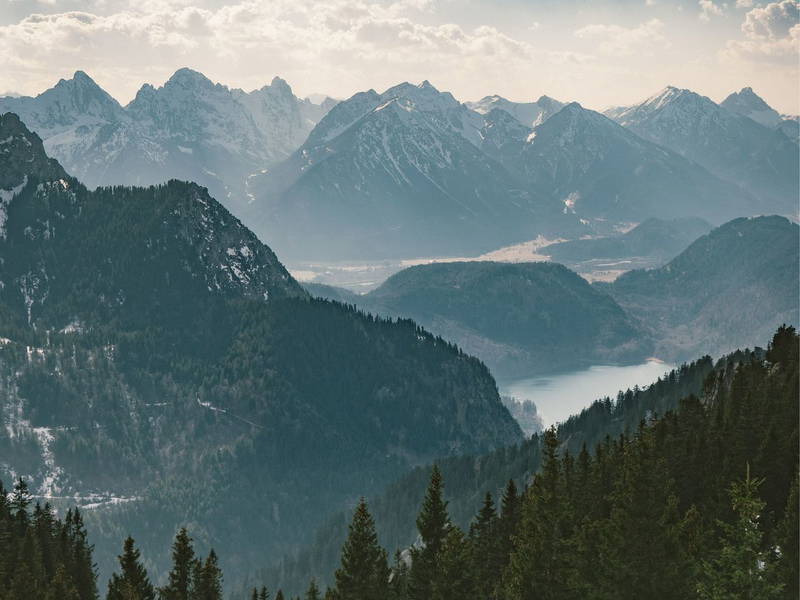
<point x="352" y="336"/>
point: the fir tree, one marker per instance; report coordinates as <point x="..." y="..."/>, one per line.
<point x="313" y="593"/>
<point x="208" y="579"/>
<point x="739" y="568"/>
<point x="364" y="573"/>
<point x="537" y="565"/>
<point x="787" y="563"/>
<point x="179" y="581"/>
<point x="454" y="581"/>
<point x="485" y="550"/>
<point x="132" y="583"/>
<point x="433" y="524"/>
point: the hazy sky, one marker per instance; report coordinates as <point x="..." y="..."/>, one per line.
<point x="600" y="53"/>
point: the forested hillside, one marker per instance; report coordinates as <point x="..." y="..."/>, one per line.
<point x="700" y="502"/>
<point x="656" y="239"/>
<point x="729" y="289"/>
<point x="470" y="477"/>
<point x="159" y="365"/>
<point x="519" y="318"/>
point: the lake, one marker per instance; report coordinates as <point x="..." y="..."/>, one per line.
<point x="559" y="396"/>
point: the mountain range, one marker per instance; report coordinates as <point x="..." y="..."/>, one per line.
<point x="396" y="174"/>
<point x="725" y="140"/>
<point x="413" y="172"/>
<point x="189" y="128"/>
<point x="159" y="366"/>
<point x="723" y="292"/>
<point x="718" y="291"/>
<point x="749" y="104"/>
<point x="656" y="240"/>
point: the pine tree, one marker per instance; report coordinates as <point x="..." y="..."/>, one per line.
<point x="279" y="595"/>
<point x="433" y="523"/>
<point x="313" y="593"/>
<point x="787" y="564"/>
<point x="454" y="581"/>
<point x="180" y="577"/>
<point x="208" y="579"/>
<point x="486" y="562"/>
<point x="508" y="523"/>
<point x="84" y="573"/>
<point x="398" y="584"/>
<point x="364" y="573"/>
<point x="738" y="569"/>
<point x="20" y="500"/>
<point x="537" y="567"/>
<point x="132" y="583"/>
<point x="61" y="587"/>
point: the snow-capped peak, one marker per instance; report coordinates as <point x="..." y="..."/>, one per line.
<point x="529" y="114"/>
<point x="749" y="104"/>
<point x="424" y="96"/>
<point x="671" y="103"/>
<point x="186" y="77"/>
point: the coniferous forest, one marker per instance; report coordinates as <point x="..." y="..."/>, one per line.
<point x="700" y="502"/>
<point x="185" y="416"/>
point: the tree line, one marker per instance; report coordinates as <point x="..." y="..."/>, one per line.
<point x="700" y="503"/>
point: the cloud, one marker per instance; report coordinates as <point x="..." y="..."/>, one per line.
<point x="708" y="9"/>
<point x="773" y="21"/>
<point x="744" y="3"/>
<point x="332" y="42"/>
<point x="624" y="41"/>
<point x="771" y="34"/>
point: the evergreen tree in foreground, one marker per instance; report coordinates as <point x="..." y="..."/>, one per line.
<point x="41" y="556"/>
<point x="179" y="584"/>
<point x="364" y="574"/>
<point x="132" y="583"/>
<point x="660" y="512"/>
<point x="433" y="524"/>
<point x="739" y="569"/>
<point x="313" y="593"/>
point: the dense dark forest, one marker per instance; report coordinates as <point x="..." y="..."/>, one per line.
<point x="469" y="477"/>
<point x="154" y="352"/>
<point x="42" y="556"/>
<point x="701" y="502"/>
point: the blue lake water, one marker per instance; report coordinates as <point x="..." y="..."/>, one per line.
<point x="559" y="396"/>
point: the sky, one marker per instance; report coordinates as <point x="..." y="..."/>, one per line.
<point x="600" y="53"/>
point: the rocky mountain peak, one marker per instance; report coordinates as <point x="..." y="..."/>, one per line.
<point x="22" y="155"/>
<point x="749" y="104"/>
<point x="189" y="78"/>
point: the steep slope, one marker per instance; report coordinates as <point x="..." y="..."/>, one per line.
<point x="529" y="114"/>
<point x="189" y="128"/>
<point x="399" y="174"/>
<point x="655" y="239"/>
<point x="599" y="170"/>
<point x="790" y="126"/>
<point x="728" y="289"/>
<point x="519" y="318"/>
<point x="736" y="148"/>
<point x="749" y="104"/>
<point x="158" y="360"/>
<point x="467" y="479"/>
